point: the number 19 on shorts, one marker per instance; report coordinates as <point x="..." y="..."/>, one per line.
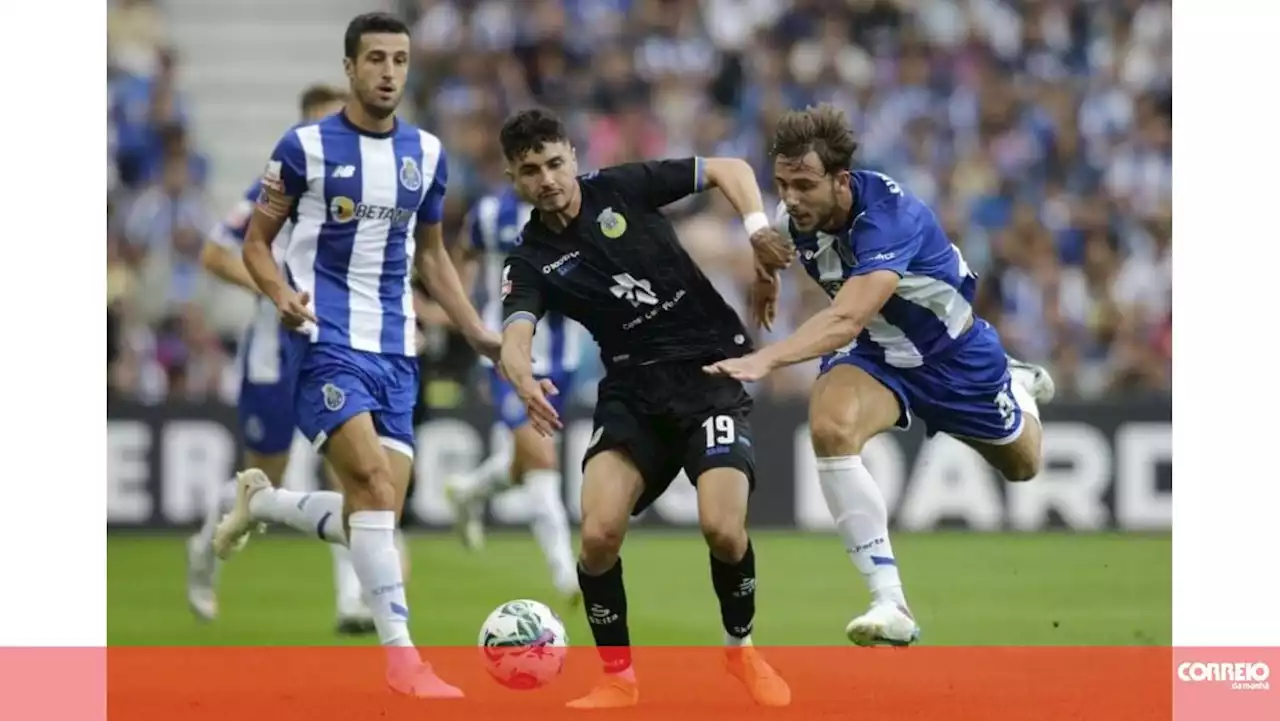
<point x="720" y="430"/>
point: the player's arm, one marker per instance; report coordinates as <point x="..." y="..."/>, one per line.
<point x="283" y="182"/>
<point x="882" y="259"/>
<point x="435" y="266"/>
<point x="221" y="255"/>
<point x="523" y="303"/>
<point x="660" y="182"/>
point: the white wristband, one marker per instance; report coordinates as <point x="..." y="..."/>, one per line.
<point x="755" y="222"/>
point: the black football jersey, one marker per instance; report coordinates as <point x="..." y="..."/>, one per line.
<point x="619" y="270"/>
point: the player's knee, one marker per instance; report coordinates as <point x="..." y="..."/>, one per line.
<point x="1020" y="466"/>
<point x="601" y="544"/>
<point x="1021" y="460"/>
<point x="726" y="536"/>
<point x="538" y="457"/>
<point x="835" y="432"/>
<point x="369" y="485"/>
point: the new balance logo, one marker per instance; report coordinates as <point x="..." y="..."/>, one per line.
<point x="635" y="292"/>
<point x="344" y="171"/>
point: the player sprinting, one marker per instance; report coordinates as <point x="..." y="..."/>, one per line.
<point x="899" y="339"/>
<point x="532" y="460"/>
<point x="265" y="406"/>
<point x="600" y="251"/>
<point x="365" y="192"/>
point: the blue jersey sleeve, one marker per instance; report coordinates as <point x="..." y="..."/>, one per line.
<point x="230" y="232"/>
<point x="431" y="211"/>
<point x="287" y="170"/>
<point x="881" y="241"/>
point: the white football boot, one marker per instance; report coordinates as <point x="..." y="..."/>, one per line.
<point x="1034" y="378"/>
<point x="885" y="624"/>
<point x="233" y="530"/>
<point x="468" y="513"/>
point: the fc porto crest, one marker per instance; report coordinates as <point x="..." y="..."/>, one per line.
<point x="612" y="224"/>
<point x="334" y="397"/>
<point x="410" y="175"/>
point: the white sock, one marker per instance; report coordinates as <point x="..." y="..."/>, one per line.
<point x="731" y="640"/>
<point x="224" y="498"/>
<point x="318" y="513"/>
<point x="377" y="564"/>
<point x="1023" y="380"/>
<point x="862" y="519"/>
<point x="489" y="478"/>
<point x="550" y="526"/>
<point x="346" y="583"/>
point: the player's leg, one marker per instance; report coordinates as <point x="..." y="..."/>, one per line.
<point x="851" y="404"/>
<point x="468" y="492"/>
<point x="720" y="461"/>
<point x="258" y="500"/>
<point x="266" y="421"/>
<point x="368" y="434"/>
<point x="354" y="617"/>
<point x="1018" y="454"/>
<point x="538" y="464"/>
<point x="624" y="470"/>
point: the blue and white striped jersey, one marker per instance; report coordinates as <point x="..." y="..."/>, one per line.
<point x="263" y="364"/>
<point x="493" y="228"/>
<point x="359" y="196"/>
<point x="890" y="229"/>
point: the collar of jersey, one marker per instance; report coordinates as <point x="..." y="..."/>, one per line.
<point x="395" y="125"/>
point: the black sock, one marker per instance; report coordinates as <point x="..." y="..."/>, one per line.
<point x="735" y="585"/>
<point x="605" y="601"/>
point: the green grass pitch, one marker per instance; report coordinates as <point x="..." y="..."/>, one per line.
<point x="965" y="589"/>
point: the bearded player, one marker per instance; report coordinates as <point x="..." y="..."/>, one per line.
<point x="899" y="339"/>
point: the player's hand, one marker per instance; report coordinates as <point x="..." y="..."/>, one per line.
<point x="542" y="414"/>
<point x="763" y="297"/>
<point x="772" y="250"/>
<point x="487" y="344"/>
<point x="294" y="310"/>
<point x="748" y="369"/>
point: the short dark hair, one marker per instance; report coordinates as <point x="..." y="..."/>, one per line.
<point x="823" y="130"/>
<point x="319" y="94"/>
<point x="529" y="130"/>
<point x="368" y="24"/>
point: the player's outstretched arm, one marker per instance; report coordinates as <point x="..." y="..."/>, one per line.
<point x="837" y="325"/>
<point x="221" y="254"/>
<point x="737" y="180"/>
<point x="435" y="266"/>
<point x="433" y="261"/>
<point x="522" y="306"/>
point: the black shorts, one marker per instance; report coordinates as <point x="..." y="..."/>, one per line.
<point x="671" y="416"/>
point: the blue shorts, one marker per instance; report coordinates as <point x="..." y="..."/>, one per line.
<point x="265" y="407"/>
<point x="336" y="383"/>
<point x="511" y="409"/>
<point x="966" y="392"/>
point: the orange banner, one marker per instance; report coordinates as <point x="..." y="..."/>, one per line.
<point x="982" y="684"/>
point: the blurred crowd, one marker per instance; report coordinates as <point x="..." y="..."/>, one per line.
<point x="1038" y="130"/>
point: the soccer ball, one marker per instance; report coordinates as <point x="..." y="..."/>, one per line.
<point x="523" y="644"/>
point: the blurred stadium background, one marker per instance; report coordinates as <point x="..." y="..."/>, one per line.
<point x="1039" y="130"/>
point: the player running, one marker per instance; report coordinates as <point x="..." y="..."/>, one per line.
<point x="490" y="233"/>
<point x="365" y="193"/>
<point x="600" y="251"/>
<point x="899" y="339"/>
<point x="265" y="406"/>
